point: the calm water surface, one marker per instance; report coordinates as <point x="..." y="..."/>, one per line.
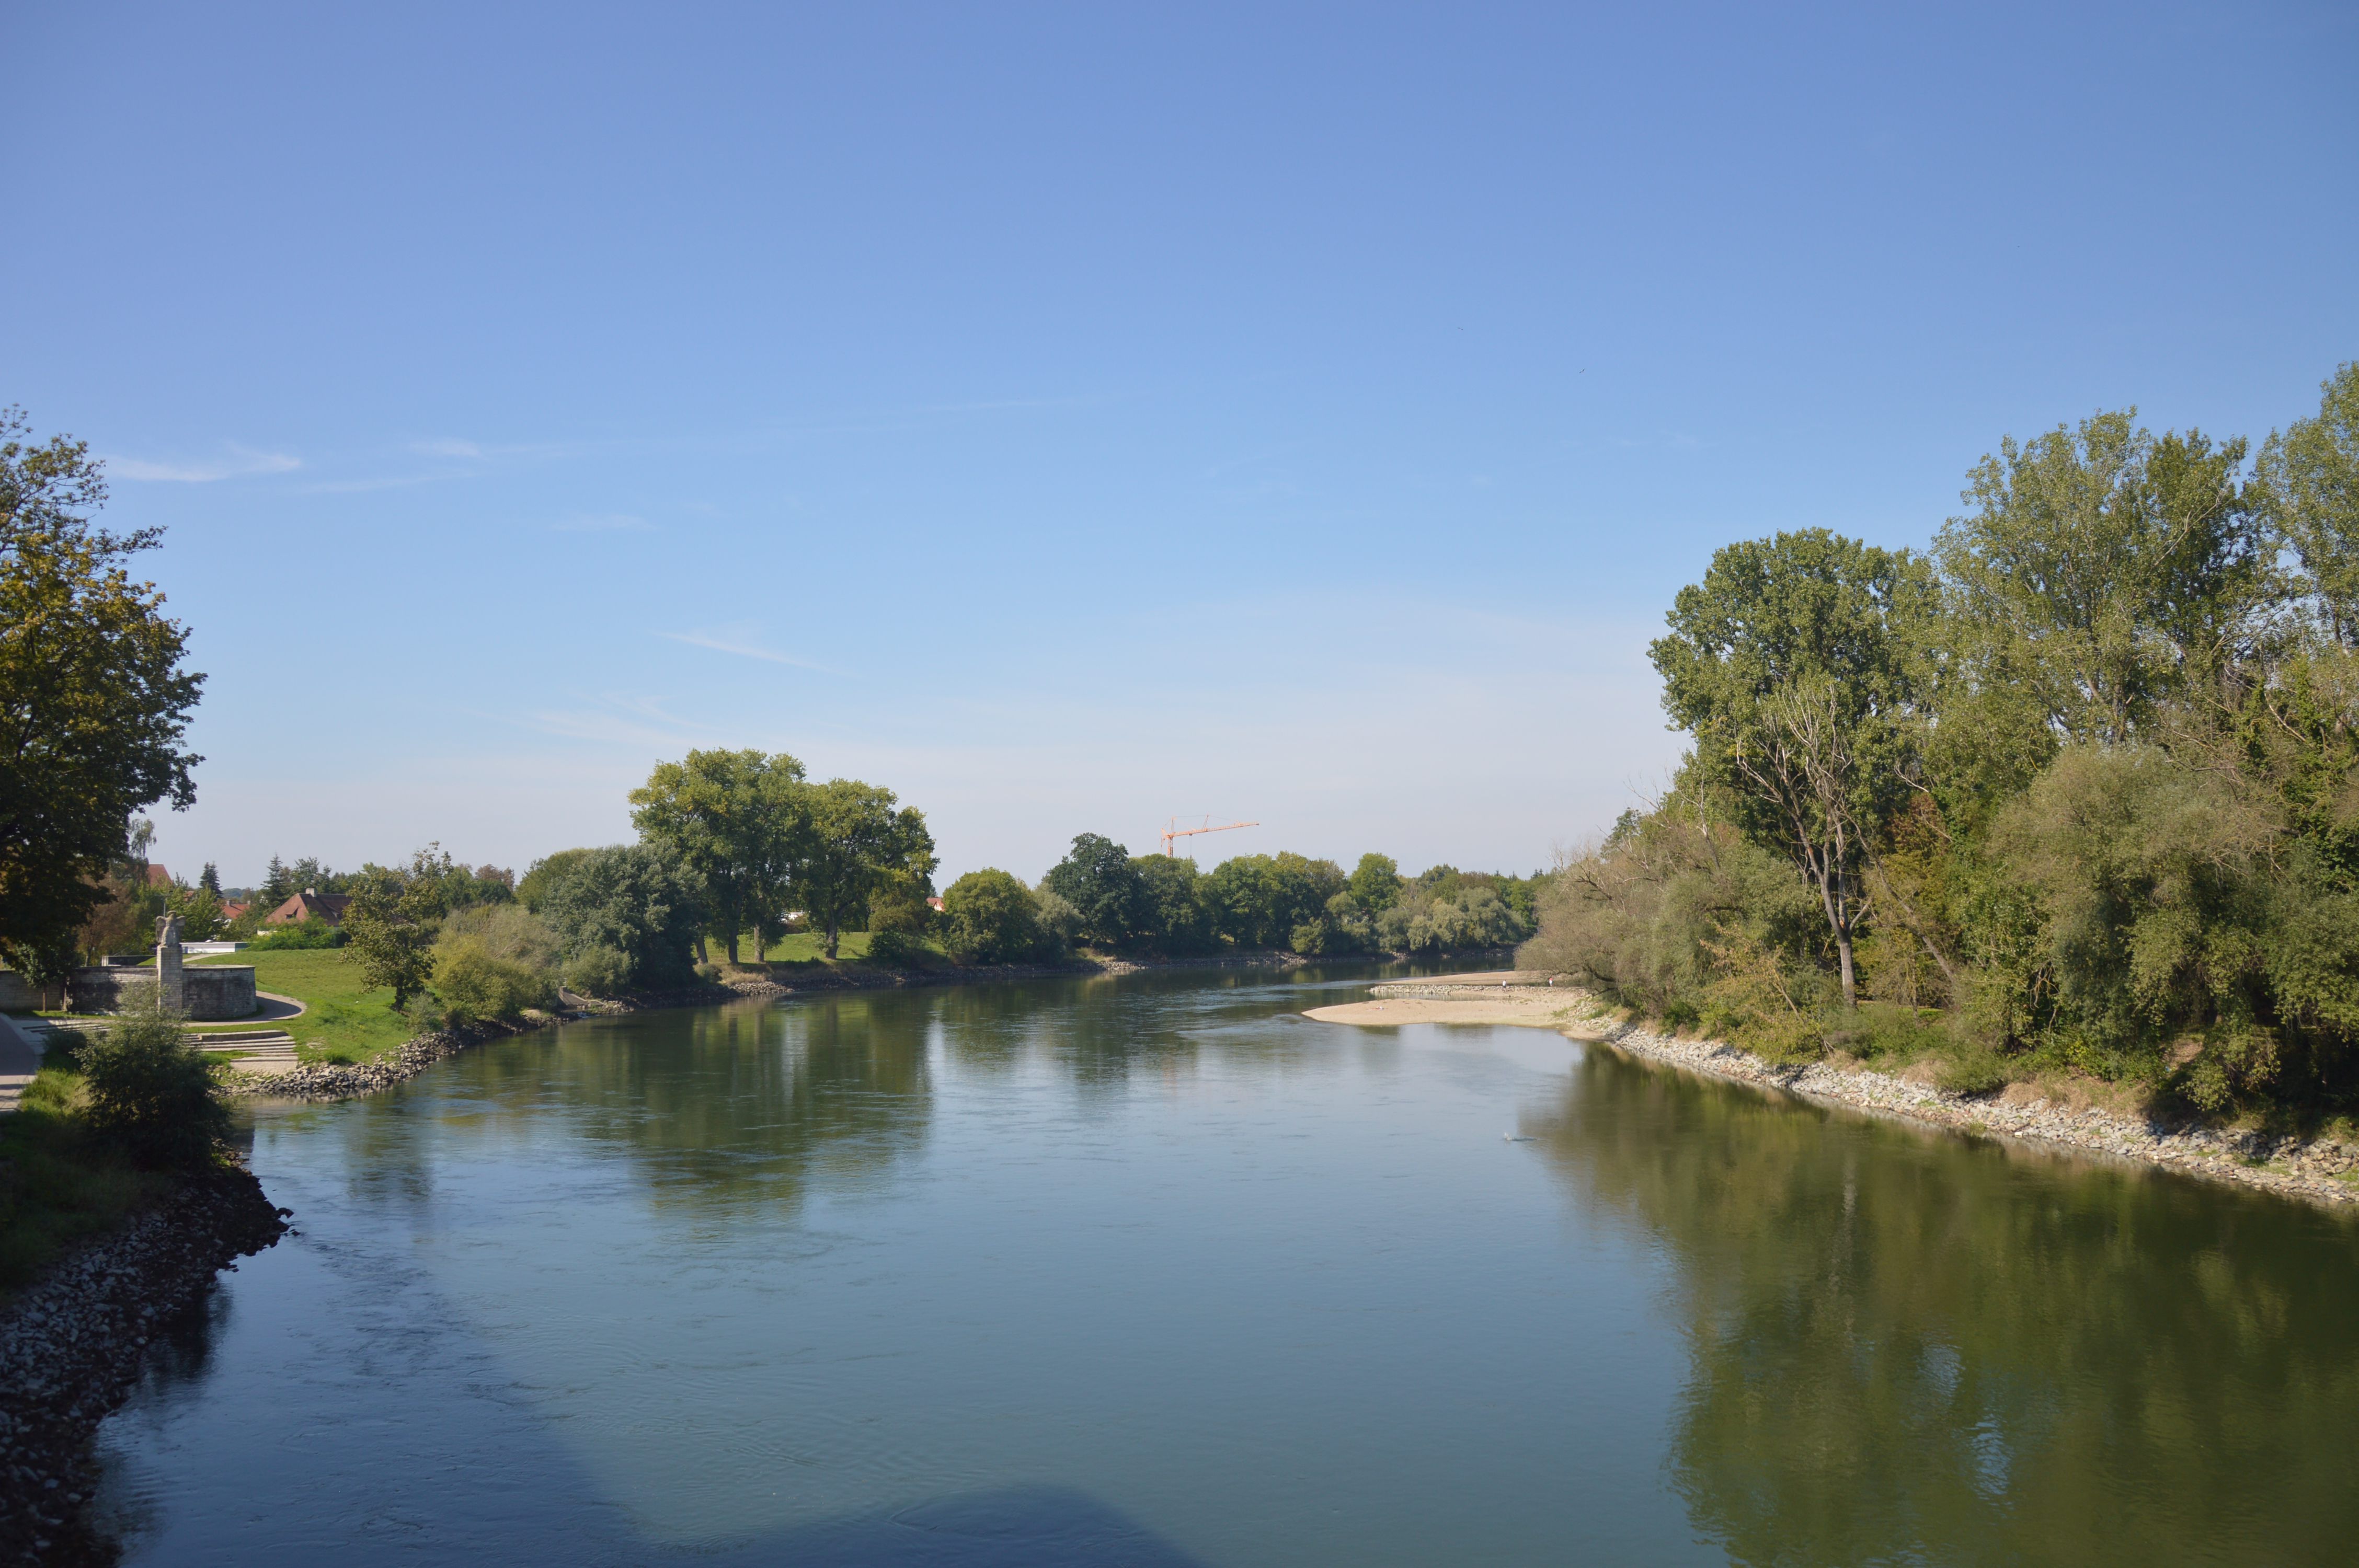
<point x="1155" y="1272"/>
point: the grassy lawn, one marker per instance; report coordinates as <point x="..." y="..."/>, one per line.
<point x="806" y="952"/>
<point x="58" y="1183"/>
<point x="343" y="1021"/>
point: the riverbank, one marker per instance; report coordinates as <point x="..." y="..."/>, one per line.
<point x="2317" y="1169"/>
<point x="344" y="1080"/>
<point x="74" y="1343"/>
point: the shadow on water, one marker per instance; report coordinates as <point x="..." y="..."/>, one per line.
<point x="1905" y="1346"/>
<point x="1016" y="1527"/>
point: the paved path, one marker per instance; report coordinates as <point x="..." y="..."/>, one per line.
<point x="19" y="1060"/>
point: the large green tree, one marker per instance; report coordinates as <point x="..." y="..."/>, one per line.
<point x="1792" y="664"/>
<point x="95" y="700"/>
<point x="857" y="843"/>
<point x="2101" y="571"/>
<point x="2309" y="490"/>
<point x="1096" y="876"/>
<point x="738" y="822"/>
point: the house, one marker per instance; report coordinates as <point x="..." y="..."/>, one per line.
<point x="235" y="909"/>
<point x="310" y="905"/>
<point x="158" y="877"/>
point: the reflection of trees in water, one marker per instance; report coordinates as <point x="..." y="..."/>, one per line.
<point x="740" y="1104"/>
<point x="1906" y="1348"/>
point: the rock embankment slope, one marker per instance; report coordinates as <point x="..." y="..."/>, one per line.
<point x="2320" y="1171"/>
<point x="74" y="1344"/>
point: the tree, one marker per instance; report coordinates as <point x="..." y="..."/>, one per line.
<point x="209" y="879"/>
<point x="2103" y="570"/>
<point x="856" y="842"/>
<point x="628" y="913"/>
<point x="1791" y="665"/>
<point x="2310" y="494"/>
<point x="1375" y="884"/>
<point x="738" y="823"/>
<point x="93" y="696"/>
<point x="1170" y="909"/>
<point x="394" y="919"/>
<point x="1097" y="878"/>
<point x="989" y="917"/>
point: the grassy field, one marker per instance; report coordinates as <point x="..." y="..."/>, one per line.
<point x="58" y="1182"/>
<point x="806" y="952"/>
<point x="343" y="1021"/>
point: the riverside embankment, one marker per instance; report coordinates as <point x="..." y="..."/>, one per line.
<point x="2318" y="1169"/>
<point x="74" y="1343"/>
<point x="343" y="1080"/>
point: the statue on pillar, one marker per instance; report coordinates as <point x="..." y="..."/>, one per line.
<point x="171" y="987"/>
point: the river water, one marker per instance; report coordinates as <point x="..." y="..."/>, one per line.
<point x="1153" y="1271"/>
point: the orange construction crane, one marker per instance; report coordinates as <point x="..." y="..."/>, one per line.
<point x="1176" y="831"/>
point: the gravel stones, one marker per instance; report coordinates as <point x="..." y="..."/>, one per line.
<point x="74" y="1344"/>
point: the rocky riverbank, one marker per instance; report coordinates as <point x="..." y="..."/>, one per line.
<point x="2318" y="1169"/>
<point x="73" y="1345"/>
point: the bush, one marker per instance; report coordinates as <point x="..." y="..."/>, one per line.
<point x="147" y="1090"/>
<point x="494" y="960"/>
<point x="311" y="932"/>
<point x="895" y="948"/>
<point x="598" y="970"/>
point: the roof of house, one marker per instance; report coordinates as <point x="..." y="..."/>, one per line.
<point x="327" y="906"/>
<point x="158" y="877"/>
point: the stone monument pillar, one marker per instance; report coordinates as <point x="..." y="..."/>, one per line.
<point x="171" y="989"/>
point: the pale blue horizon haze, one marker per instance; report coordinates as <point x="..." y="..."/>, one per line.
<point x="1071" y="416"/>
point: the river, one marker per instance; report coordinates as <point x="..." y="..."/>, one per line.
<point x="1153" y="1271"/>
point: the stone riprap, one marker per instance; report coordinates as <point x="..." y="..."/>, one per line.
<point x="74" y="1344"/>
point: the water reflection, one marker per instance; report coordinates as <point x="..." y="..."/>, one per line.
<point x="1906" y="1347"/>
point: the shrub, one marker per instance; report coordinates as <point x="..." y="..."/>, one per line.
<point x="598" y="970"/>
<point x="145" y="1088"/>
<point x="494" y="961"/>
<point x="895" y="948"/>
<point x="310" y="933"/>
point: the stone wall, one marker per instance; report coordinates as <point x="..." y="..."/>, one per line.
<point x="209" y="993"/>
<point x="16" y="994"/>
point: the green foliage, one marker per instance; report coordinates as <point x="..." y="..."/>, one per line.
<point x="391" y="924"/>
<point x="147" y="1090"/>
<point x="2309" y="491"/>
<point x="633" y="902"/>
<point x="1461" y="918"/>
<point x="1375" y="884"/>
<point x="309" y="933"/>
<point x="1259" y="900"/>
<point x="1172" y="915"/>
<point x="93" y="698"/>
<point x="857" y="844"/>
<point x="546" y="873"/>
<point x="494" y="961"/>
<point x="990" y="917"/>
<point x="1792" y="664"/>
<point x="2101" y="809"/>
<point x="737" y="822"/>
<point x="598" y="970"/>
<point x="1098" y="878"/>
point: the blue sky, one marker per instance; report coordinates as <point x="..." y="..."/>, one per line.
<point x="1073" y="416"/>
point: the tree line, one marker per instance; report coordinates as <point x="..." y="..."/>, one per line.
<point x="1102" y="896"/>
<point x="2072" y="790"/>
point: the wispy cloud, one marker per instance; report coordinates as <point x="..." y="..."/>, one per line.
<point x="241" y="462"/>
<point x="743" y="640"/>
<point x="601" y="523"/>
<point x="635" y="720"/>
